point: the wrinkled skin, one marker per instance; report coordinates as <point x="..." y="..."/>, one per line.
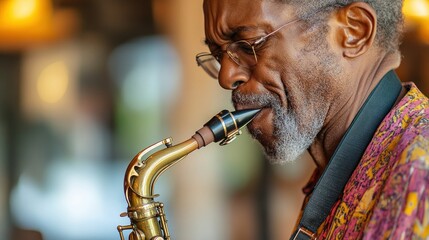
<point x="285" y="72"/>
<point x="310" y="85"/>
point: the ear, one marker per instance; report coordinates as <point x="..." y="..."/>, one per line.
<point x="358" y="25"/>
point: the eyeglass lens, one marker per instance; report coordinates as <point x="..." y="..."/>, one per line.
<point x="209" y="63"/>
<point x="241" y="52"/>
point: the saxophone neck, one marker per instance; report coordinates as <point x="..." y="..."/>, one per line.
<point x="159" y="162"/>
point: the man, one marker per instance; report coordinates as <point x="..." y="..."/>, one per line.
<point x="321" y="71"/>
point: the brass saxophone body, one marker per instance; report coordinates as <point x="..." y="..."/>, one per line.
<point x="148" y="220"/>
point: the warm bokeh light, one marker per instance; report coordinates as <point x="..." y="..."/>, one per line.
<point x="23" y="9"/>
<point x="25" y="23"/>
<point x="53" y="82"/>
<point x="417" y="16"/>
<point x="416" y="9"/>
<point x="24" y="13"/>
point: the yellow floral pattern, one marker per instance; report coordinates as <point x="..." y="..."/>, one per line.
<point x="387" y="197"/>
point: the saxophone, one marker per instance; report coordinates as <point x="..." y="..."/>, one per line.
<point x="148" y="220"/>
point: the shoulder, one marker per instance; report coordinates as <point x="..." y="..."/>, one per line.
<point x="404" y="130"/>
<point x="404" y="197"/>
<point x="412" y="117"/>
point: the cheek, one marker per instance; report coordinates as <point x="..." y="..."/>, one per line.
<point x="272" y="76"/>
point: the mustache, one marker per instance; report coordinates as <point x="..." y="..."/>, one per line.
<point x="254" y="100"/>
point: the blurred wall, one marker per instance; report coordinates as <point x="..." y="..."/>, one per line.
<point x="85" y="85"/>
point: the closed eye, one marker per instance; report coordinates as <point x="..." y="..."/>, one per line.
<point x="244" y="47"/>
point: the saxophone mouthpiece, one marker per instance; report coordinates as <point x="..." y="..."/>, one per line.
<point x="243" y="117"/>
<point x="224" y="127"/>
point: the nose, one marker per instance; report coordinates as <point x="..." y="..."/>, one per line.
<point x="231" y="75"/>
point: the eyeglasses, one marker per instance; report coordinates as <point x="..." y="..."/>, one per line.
<point x="242" y="52"/>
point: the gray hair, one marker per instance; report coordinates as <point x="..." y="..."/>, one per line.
<point x="389" y="17"/>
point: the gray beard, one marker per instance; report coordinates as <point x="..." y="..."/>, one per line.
<point x="293" y="133"/>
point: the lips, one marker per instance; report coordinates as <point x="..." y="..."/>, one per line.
<point x="239" y="106"/>
<point x="241" y="102"/>
<point x="263" y="101"/>
<point x="260" y="117"/>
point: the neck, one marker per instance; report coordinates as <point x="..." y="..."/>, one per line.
<point x="342" y="113"/>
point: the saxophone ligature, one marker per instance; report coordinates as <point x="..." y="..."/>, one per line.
<point x="148" y="220"/>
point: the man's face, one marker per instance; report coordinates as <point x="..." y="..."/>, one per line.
<point x="293" y="80"/>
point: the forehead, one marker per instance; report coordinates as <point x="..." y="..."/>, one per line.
<point x="223" y="16"/>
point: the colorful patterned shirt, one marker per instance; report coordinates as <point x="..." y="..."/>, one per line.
<point x="387" y="197"/>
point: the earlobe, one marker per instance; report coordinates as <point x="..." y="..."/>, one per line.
<point x="359" y="24"/>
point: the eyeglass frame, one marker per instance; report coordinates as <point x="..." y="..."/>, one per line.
<point x="259" y="40"/>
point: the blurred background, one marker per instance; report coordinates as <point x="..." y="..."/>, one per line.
<point x="86" y="84"/>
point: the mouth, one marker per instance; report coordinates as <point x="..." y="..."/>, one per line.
<point x="242" y="102"/>
<point x="243" y="105"/>
<point x="251" y="107"/>
<point x="265" y="102"/>
<point x="259" y="117"/>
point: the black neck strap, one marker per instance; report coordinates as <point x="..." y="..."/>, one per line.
<point x="347" y="155"/>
